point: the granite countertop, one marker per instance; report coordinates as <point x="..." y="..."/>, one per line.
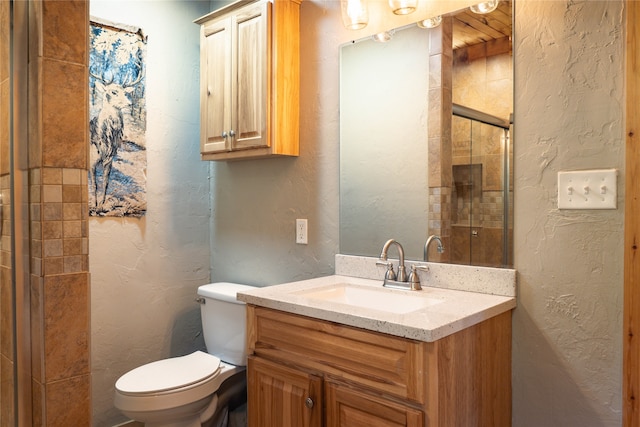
<point x="446" y="311"/>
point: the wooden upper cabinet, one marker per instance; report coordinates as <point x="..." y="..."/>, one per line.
<point x="215" y="85"/>
<point x="249" y="80"/>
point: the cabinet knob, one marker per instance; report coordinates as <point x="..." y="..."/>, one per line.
<point x="232" y="133"/>
<point x="224" y="134"/>
<point x="308" y="402"/>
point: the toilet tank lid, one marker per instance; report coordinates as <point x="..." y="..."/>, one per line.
<point x="223" y="291"/>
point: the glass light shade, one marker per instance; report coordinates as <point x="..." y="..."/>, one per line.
<point x="403" y="7"/>
<point x="355" y="15"/>
<point x="431" y="22"/>
<point x="383" y="37"/>
<point x="485" y="7"/>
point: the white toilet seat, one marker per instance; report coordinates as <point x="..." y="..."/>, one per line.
<point x="130" y="397"/>
<point x="169" y="375"/>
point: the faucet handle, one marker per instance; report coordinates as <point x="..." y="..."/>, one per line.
<point x="414" y="280"/>
<point x="389" y="274"/>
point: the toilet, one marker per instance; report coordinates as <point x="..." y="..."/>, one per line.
<point x="195" y="390"/>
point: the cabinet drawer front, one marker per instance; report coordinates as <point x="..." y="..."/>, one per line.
<point x="392" y="365"/>
<point x="347" y="407"/>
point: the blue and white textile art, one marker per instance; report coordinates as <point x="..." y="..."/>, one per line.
<point x="118" y="121"/>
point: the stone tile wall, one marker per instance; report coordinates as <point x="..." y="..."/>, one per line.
<point x="439" y="134"/>
<point x="58" y="159"/>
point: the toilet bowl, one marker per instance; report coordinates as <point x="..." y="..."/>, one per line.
<point x="193" y="390"/>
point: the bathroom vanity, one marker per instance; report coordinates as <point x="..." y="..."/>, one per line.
<point x="343" y="351"/>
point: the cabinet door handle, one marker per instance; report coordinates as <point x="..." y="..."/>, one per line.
<point x="232" y="133"/>
<point x="308" y="402"/>
<point x="224" y="135"/>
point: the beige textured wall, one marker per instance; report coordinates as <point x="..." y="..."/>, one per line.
<point x="567" y="329"/>
<point x="145" y="271"/>
<point x="256" y="202"/>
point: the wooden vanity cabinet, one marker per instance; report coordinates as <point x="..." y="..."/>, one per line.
<point x="291" y="394"/>
<point x="249" y="80"/>
<point x="349" y="407"/>
<point x="309" y="372"/>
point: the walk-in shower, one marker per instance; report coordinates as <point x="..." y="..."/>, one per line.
<point x="482" y="191"/>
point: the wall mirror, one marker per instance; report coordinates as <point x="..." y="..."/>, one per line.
<point x="390" y="148"/>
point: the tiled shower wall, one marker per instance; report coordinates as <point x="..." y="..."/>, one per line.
<point x="439" y="134"/>
<point x="58" y="158"/>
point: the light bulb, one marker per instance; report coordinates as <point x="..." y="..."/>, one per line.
<point x="431" y="22"/>
<point x="383" y="37"/>
<point x="485" y="7"/>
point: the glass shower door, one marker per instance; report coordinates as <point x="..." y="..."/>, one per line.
<point x="480" y="192"/>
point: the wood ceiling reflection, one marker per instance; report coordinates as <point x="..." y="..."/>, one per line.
<point x="470" y="29"/>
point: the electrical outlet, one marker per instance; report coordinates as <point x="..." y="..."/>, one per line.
<point x="301" y="231"/>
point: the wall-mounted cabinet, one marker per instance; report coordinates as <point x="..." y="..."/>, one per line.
<point x="249" y="80"/>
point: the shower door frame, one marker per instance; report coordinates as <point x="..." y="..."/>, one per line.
<point x="19" y="173"/>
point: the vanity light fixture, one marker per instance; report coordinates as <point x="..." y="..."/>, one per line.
<point x="403" y="7"/>
<point x="431" y="22"/>
<point x="485" y="7"/>
<point x="355" y="14"/>
<point x="383" y="37"/>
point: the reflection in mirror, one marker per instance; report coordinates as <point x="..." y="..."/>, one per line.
<point x="412" y="164"/>
<point x="383" y="152"/>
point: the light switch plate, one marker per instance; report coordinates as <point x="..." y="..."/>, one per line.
<point x="588" y="189"/>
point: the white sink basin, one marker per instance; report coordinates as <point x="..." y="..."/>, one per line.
<point x="381" y="299"/>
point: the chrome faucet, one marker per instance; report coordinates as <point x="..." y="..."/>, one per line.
<point x="402" y="272"/>
<point x="431" y="238"/>
<point x="400" y="281"/>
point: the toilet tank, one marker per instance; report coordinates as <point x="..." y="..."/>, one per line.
<point x="224" y="321"/>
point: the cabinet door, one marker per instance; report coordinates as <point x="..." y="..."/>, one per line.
<point x="347" y="407"/>
<point x="281" y="396"/>
<point x="250" y="86"/>
<point x="215" y="85"/>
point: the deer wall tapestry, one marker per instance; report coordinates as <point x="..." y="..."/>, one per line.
<point x="118" y="160"/>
